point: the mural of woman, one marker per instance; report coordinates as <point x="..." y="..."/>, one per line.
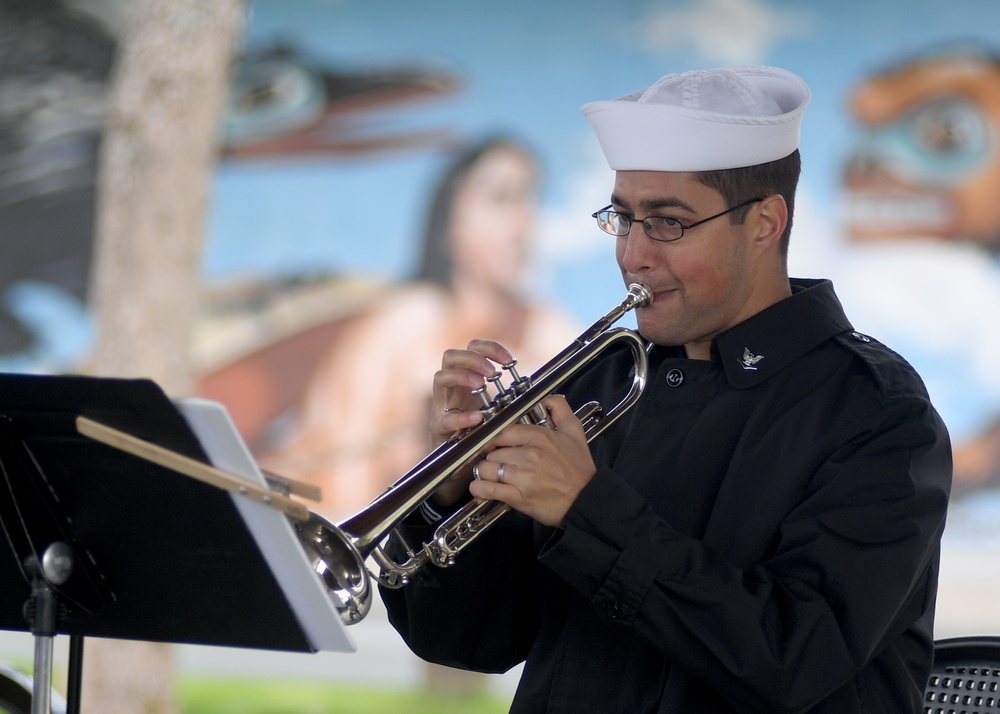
<point x="362" y="422"/>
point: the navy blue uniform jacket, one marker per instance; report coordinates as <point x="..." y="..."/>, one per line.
<point x="762" y="535"/>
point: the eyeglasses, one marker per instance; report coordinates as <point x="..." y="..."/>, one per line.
<point x="659" y="228"/>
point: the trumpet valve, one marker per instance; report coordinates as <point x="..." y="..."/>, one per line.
<point x="518" y="384"/>
<point x="488" y="407"/>
<point x="503" y="396"/>
<point x="539" y="416"/>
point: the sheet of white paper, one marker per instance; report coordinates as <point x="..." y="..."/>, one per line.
<point x="271" y="529"/>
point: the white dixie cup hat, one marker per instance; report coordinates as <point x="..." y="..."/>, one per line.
<point x="703" y="120"/>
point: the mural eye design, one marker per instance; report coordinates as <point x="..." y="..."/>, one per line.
<point x="950" y="129"/>
<point x="271" y="97"/>
<point x="941" y="142"/>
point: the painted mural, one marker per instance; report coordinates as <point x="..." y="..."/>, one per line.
<point x="396" y="177"/>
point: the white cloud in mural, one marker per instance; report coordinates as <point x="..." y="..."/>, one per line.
<point x="936" y="302"/>
<point x="722" y="31"/>
<point x="567" y="237"/>
<point x="568" y="232"/>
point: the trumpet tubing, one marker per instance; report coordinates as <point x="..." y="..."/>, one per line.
<point x="338" y="553"/>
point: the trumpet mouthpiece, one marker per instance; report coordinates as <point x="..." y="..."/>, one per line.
<point x="640" y="295"/>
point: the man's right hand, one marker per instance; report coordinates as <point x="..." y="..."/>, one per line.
<point x="454" y="408"/>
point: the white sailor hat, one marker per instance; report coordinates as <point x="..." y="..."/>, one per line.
<point x="703" y="120"/>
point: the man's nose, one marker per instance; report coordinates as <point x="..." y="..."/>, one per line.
<point x="638" y="250"/>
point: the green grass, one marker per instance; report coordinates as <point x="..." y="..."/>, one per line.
<point x="242" y="696"/>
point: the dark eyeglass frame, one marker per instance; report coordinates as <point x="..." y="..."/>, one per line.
<point x="605" y="223"/>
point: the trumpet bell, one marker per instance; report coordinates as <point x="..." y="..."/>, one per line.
<point x="335" y="559"/>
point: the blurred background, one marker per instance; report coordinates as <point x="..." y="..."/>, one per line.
<point x="393" y="178"/>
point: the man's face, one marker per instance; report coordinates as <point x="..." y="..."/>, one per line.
<point x="702" y="284"/>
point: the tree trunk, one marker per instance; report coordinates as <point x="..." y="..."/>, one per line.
<point x="157" y="158"/>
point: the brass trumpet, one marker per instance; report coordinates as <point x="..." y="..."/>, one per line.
<point x="338" y="553"/>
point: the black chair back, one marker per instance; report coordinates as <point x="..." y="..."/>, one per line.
<point x="965" y="678"/>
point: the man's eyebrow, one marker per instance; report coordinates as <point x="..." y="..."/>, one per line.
<point x="655" y="204"/>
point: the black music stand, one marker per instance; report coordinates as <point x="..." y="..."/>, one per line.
<point x="106" y="544"/>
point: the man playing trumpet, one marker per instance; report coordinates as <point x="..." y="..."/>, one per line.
<point x="760" y="532"/>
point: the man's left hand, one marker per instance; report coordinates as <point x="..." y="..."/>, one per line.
<point x="538" y="470"/>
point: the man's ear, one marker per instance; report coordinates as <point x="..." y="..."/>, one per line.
<point x="772" y="218"/>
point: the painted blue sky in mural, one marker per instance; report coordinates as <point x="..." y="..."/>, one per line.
<point x="526" y="68"/>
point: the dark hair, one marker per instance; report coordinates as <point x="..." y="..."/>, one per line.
<point x="436" y="263"/>
<point x="749" y="182"/>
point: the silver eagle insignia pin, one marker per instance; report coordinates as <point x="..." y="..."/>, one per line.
<point x="749" y="359"/>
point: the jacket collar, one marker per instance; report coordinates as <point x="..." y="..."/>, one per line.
<point x="767" y="342"/>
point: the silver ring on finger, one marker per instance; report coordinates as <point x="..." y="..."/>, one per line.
<point x="500" y="469"/>
<point x="475" y="471"/>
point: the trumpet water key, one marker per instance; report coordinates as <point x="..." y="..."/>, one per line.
<point x="338" y="553"/>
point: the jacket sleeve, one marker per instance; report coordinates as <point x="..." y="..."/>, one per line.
<point x="477" y="614"/>
<point x="852" y="567"/>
